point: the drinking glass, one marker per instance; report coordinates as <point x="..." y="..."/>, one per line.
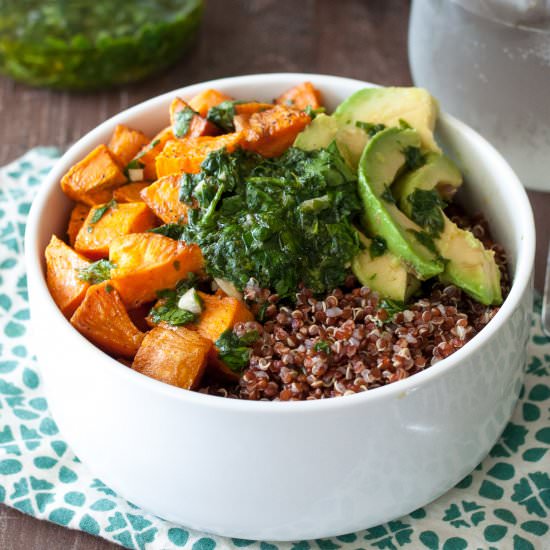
<point x="488" y="63"/>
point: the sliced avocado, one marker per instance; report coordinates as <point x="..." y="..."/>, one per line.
<point x="384" y="273"/>
<point x="389" y="106"/>
<point x="468" y="264"/>
<point x="383" y="158"/>
<point x="439" y="172"/>
<point x="324" y="129"/>
<point x="319" y="133"/>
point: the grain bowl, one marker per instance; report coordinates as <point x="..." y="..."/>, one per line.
<point x="295" y="470"/>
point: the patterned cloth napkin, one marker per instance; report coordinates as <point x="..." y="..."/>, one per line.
<point x="503" y="504"/>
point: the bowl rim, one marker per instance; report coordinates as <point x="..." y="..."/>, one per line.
<point x="398" y="389"/>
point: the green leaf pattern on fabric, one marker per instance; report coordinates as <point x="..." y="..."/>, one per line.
<point x="504" y="503"/>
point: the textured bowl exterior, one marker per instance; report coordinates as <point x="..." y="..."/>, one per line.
<point x="300" y="470"/>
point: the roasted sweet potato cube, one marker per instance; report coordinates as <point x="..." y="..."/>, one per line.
<point x="187" y="155"/>
<point x="78" y="215"/>
<point x="94" y="237"/>
<point x="209" y="98"/>
<point x="219" y="314"/>
<point x="103" y="319"/>
<point x="162" y="197"/>
<point x="126" y="143"/>
<point x="187" y="123"/>
<point x="251" y="107"/>
<point x="148" y="262"/>
<point x="146" y="157"/>
<point x="301" y="96"/>
<point x="62" y="270"/>
<point x="92" y="180"/>
<point x="131" y="192"/>
<point x="273" y="131"/>
<point x="176" y="357"/>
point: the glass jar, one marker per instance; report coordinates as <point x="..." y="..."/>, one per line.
<point x="83" y="44"/>
<point x="488" y="63"/>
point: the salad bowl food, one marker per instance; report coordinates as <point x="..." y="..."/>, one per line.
<point x="247" y="467"/>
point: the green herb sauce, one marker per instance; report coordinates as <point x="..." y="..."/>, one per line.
<point x="82" y="45"/>
<point x="96" y="272"/>
<point x="167" y="309"/>
<point x="281" y="221"/>
<point x="426" y="210"/>
<point x="182" y="121"/>
<point x="378" y="246"/>
<point x="235" y="351"/>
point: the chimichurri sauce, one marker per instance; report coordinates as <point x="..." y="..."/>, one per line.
<point x="84" y="45"/>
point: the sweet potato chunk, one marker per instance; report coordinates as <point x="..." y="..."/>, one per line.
<point x="301" y="96"/>
<point x="209" y="98"/>
<point x="162" y="197"/>
<point x="273" y="131"/>
<point x="78" y="215"/>
<point x="147" y="262"/>
<point x="186" y="155"/>
<point x="126" y="143"/>
<point x="94" y="238"/>
<point x="131" y="192"/>
<point x="62" y="265"/>
<point x="92" y="180"/>
<point x="176" y="357"/>
<point x="146" y="157"/>
<point x="219" y="314"/>
<point x="194" y="126"/>
<point x="251" y="107"/>
<point x="102" y="318"/>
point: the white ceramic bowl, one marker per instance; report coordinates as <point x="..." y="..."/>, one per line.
<point x="298" y="470"/>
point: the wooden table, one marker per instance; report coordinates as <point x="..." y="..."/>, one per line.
<point x="354" y="38"/>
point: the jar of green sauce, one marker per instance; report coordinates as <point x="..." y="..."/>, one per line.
<point x="91" y="44"/>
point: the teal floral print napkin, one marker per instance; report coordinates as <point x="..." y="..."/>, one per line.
<point x="503" y="504"/>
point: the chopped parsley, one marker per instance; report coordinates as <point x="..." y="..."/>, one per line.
<point x="392" y="306"/>
<point x="222" y="115"/>
<point x="387" y="195"/>
<point x="424" y="239"/>
<point x="322" y="345"/>
<point x="167" y="309"/>
<point x="100" y="212"/>
<point x="171" y="230"/>
<point x="282" y="221"/>
<point x="171" y="314"/>
<point x="96" y="272"/>
<point x="426" y="211"/>
<point x="311" y="112"/>
<point x="404" y="125"/>
<point x="377" y="246"/>
<point x="369" y="127"/>
<point x="235" y="350"/>
<point x="135" y="163"/>
<point x="413" y="157"/>
<point x="182" y="121"/>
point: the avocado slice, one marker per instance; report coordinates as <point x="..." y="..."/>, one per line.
<point x="468" y="264"/>
<point x="319" y="133"/>
<point x="381" y="161"/>
<point x="324" y="129"/>
<point x="389" y="106"/>
<point x="385" y="273"/>
<point x="438" y="172"/>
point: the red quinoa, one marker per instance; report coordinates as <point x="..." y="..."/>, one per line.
<point x="346" y="342"/>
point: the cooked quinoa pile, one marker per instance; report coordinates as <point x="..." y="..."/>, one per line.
<point x="351" y="341"/>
